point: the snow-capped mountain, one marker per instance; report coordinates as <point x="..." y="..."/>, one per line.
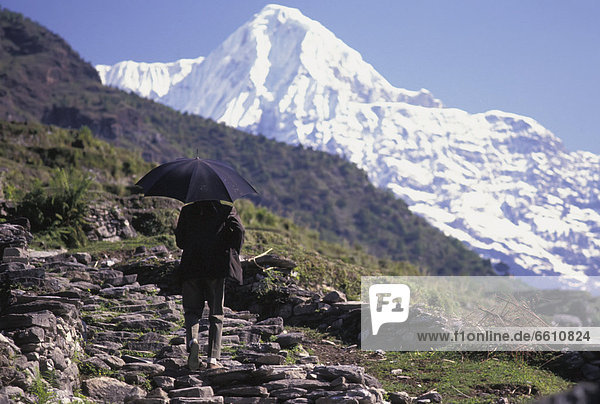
<point x="500" y="182"/>
<point x="151" y="80"/>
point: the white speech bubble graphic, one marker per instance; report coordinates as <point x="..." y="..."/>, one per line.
<point x="388" y="304"/>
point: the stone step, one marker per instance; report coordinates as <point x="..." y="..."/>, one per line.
<point x="250" y="400"/>
<point x="147" y="357"/>
<point x="244" y="391"/>
<point x="191" y="400"/>
<point x="155" y="307"/>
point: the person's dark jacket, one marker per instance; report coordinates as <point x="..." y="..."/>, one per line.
<point x="211" y="236"/>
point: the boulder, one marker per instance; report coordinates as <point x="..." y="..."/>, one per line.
<point x="107" y="223"/>
<point x="267" y="373"/>
<point x="152" y="369"/>
<point x="288" y="393"/>
<point x="223" y="376"/>
<point x="164" y="382"/>
<point x="43" y="319"/>
<point x="198" y="400"/>
<point x="13" y="235"/>
<point x="334" y="297"/>
<point x="353" y="374"/>
<point x="254" y="400"/>
<point x="197" y="391"/>
<point x="582" y="393"/>
<point x="291" y="339"/>
<point x="244" y="391"/>
<point x="433" y="397"/>
<point x="107" y="389"/>
<point x="15" y="254"/>
<point x="305" y="384"/>
<point x="268" y="327"/>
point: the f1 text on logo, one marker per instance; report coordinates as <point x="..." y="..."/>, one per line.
<point x="388" y="304"/>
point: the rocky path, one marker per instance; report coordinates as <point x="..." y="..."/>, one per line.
<point x="77" y="330"/>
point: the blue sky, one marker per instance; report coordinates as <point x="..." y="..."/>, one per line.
<point x="539" y="58"/>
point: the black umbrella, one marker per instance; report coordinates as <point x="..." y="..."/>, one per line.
<point x="191" y="180"/>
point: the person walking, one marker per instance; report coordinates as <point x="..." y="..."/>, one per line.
<point x="211" y="235"/>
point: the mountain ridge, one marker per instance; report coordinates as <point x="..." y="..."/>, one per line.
<point x="317" y="190"/>
<point x="498" y="181"/>
<point x="154" y="79"/>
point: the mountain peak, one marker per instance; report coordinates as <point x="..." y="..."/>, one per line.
<point x="500" y="182"/>
<point x="281" y="61"/>
<point x="276" y="18"/>
<point x="276" y="15"/>
<point x="282" y="13"/>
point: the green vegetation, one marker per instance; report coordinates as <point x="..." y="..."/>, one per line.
<point x="89" y="369"/>
<point x="156" y="221"/>
<point x="139" y="354"/>
<point x="126" y="247"/>
<point x="319" y="263"/>
<point x="53" y="174"/>
<point x="465" y="377"/>
<point x="470" y="377"/>
<point x="34" y="151"/>
<point x="82" y="397"/>
<point x="59" y="209"/>
<point x="294" y="354"/>
<point x="42" y="390"/>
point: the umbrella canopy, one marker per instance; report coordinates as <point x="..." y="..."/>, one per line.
<point x="190" y="180"/>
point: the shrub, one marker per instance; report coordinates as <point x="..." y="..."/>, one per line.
<point x="155" y="222"/>
<point x="59" y="208"/>
<point x="42" y="390"/>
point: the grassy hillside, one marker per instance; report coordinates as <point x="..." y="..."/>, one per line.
<point x="30" y="152"/>
<point x="45" y="80"/>
<point x="320" y="264"/>
<point x="40" y="152"/>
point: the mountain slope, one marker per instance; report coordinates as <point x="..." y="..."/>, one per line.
<point x="500" y="182"/>
<point x="316" y="189"/>
<point x="26" y="64"/>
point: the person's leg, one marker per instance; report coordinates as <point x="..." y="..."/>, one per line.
<point x="215" y="293"/>
<point x="193" y="305"/>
